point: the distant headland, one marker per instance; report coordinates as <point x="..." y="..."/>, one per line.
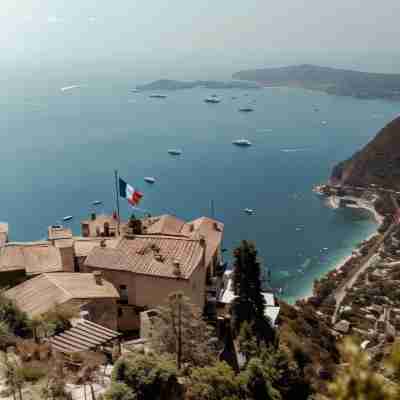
<point x="168" y="84"/>
<point x="341" y="82"/>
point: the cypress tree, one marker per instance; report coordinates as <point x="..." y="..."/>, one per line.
<point x="249" y="304"/>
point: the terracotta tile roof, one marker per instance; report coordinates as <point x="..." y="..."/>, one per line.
<point x="34" y="257"/>
<point x="150" y="255"/>
<point x="212" y="231"/>
<point x="83" y="246"/>
<point x="163" y="225"/>
<point x="39" y="294"/>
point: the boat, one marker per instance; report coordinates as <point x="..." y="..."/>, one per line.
<point x="246" y="109"/>
<point x="158" y="96"/>
<point x="249" y="211"/>
<point x="134" y="90"/>
<point x="212" y="100"/>
<point x="175" y="152"/>
<point x="242" y="142"/>
<point x="67" y="218"/>
<point x="97" y="202"/>
<point x="324" y="122"/>
<point x="149" y="179"/>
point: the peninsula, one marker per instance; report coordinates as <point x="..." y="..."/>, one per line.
<point x="341" y="82"/>
<point x="167" y="84"/>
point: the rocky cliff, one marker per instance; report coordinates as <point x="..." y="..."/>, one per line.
<point x="377" y="163"/>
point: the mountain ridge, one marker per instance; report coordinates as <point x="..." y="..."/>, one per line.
<point x="336" y="81"/>
<point x="378" y="162"/>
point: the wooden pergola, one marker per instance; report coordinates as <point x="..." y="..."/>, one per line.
<point x="84" y="336"/>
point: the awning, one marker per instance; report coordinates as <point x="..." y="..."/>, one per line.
<point x="86" y="335"/>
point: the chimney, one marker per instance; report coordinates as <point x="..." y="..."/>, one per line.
<point x="203" y="244"/>
<point x="177" y="268"/>
<point x="98" y="277"/>
<point x="93" y="216"/>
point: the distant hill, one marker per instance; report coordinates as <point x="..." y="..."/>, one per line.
<point x="334" y="81"/>
<point x="167" y="84"/>
<point x="377" y="163"/>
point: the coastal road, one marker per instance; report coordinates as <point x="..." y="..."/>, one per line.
<point x="366" y="262"/>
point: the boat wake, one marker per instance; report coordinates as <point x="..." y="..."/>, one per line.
<point x="66" y="88"/>
<point x="265" y="130"/>
<point x="293" y="150"/>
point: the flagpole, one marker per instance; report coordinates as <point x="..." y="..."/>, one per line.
<point x="117" y="200"/>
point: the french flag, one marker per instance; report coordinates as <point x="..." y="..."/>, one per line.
<point x="128" y="192"/>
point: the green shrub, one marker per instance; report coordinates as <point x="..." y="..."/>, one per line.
<point x="119" y="391"/>
<point x="17" y="321"/>
<point x="256" y="380"/>
<point x="216" y="382"/>
<point x="34" y="371"/>
<point x="148" y="376"/>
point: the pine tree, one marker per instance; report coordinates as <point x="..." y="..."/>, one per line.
<point x="181" y="331"/>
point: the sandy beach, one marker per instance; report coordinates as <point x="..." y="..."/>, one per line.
<point x="333" y="202"/>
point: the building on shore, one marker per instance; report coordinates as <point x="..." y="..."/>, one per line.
<point x="89" y="292"/>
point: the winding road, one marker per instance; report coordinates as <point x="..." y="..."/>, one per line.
<point x="368" y="260"/>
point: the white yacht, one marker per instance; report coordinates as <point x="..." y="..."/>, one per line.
<point x="249" y="211"/>
<point x="175" y="152"/>
<point x="149" y="179"/>
<point x="212" y="100"/>
<point x="158" y="96"/>
<point x="242" y="142"/>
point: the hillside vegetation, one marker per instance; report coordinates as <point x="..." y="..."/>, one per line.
<point x="377" y="163"/>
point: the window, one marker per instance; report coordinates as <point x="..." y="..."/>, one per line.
<point x="123" y="292"/>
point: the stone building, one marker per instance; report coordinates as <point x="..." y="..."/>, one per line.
<point x="147" y="261"/>
<point x="33" y="258"/>
<point x="90" y="292"/>
<point x="171" y="256"/>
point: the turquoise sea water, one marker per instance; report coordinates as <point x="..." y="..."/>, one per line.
<point x="59" y="150"/>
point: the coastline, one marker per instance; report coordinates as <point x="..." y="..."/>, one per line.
<point x="332" y="202"/>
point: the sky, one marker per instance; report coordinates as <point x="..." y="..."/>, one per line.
<point x="190" y="39"/>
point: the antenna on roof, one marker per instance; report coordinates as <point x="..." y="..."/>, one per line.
<point x="212" y="209"/>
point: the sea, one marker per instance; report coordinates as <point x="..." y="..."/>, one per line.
<point x="61" y="141"/>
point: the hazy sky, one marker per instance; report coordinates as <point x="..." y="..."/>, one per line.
<point x="189" y="39"/>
